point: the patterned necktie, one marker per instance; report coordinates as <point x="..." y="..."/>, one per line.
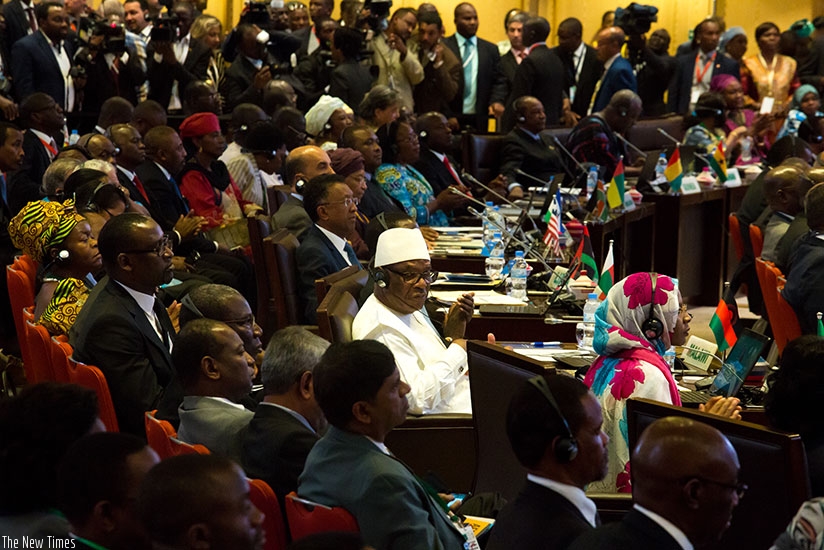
<point x="32" y="21"/>
<point x="468" y="54"/>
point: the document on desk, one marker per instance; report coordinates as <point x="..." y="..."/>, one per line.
<point x="459" y="229"/>
<point x="482" y="297"/>
<point x="549" y="354"/>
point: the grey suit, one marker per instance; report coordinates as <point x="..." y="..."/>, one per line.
<point x="292" y="216"/>
<point x="218" y="425"/>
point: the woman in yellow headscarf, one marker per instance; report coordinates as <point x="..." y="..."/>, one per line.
<point x="61" y="242"/>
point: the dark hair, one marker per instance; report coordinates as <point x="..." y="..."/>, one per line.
<point x="763" y="28"/>
<point x="532" y="423"/>
<point x="390" y="219"/>
<point x="36" y="428"/>
<point x="195" y="341"/>
<point x="210" y="302"/>
<point x="430" y="18"/>
<point x="814" y="207"/>
<point x="537" y="28"/>
<point x="4" y="131"/>
<point x="573" y="25"/>
<point x="348" y="137"/>
<point x="144" y="5"/>
<point x="331" y="540"/>
<point x="786" y="147"/>
<point x="316" y="191"/>
<point x="388" y="138"/>
<point x="119" y="234"/>
<point x="520" y="105"/>
<point x="263" y="136"/>
<point x="38" y="101"/>
<point x="115" y="110"/>
<point x="95" y="468"/>
<point x="401" y="12"/>
<point x="99" y="197"/>
<point x="155" y="139"/>
<point x="348" y="373"/>
<point x="41" y="10"/>
<point x="709" y="104"/>
<point x="348" y="41"/>
<point x="179" y="492"/>
<point x="797" y="389"/>
<point x="80" y="178"/>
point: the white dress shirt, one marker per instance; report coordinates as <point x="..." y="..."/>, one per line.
<point x="65" y="65"/>
<point x="573" y="494"/>
<point x="338" y="242"/>
<point x="146" y="303"/>
<point x="181" y="48"/>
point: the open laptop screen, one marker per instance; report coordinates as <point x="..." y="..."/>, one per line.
<point x="739" y="363"/>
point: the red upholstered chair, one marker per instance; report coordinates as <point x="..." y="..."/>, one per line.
<point x="39" y="343"/>
<point x="60" y="351"/>
<point x="307" y="518"/>
<point x="21" y="282"/>
<point x="265" y="314"/>
<point x="91" y="377"/>
<point x="735" y="236"/>
<point x="181" y="448"/>
<point x="279" y="253"/>
<point x="786" y="315"/>
<point x="756" y="239"/>
<point x="162" y="437"/>
<point x="264" y="499"/>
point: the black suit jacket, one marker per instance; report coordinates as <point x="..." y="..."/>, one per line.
<point x="435" y="171"/>
<point x="35" y="68"/>
<point x="275" y="448"/>
<point x="350" y="81"/>
<point x="237" y="84"/>
<point x="162" y="76"/>
<point x="590" y="73"/>
<point x="620" y="76"/>
<point x="537" y="158"/>
<point x="114" y="334"/>
<point x="17" y="22"/>
<point x="24" y="184"/>
<point x="539" y="519"/>
<point x="316" y="257"/>
<point x="681" y="86"/>
<point x="102" y="84"/>
<point x="491" y="81"/>
<point x="635" y="531"/>
<point x="541" y="75"/>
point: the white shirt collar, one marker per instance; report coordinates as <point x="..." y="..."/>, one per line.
<point x="129" y="173"/>
<point x="258" y="63"/>
<point x="440" y="156"/>
<point x="573" y="494"/>
<point x="165" y="172"/>
<point x="145" y="301"/>
<point x="43" y="136"/>
<point x="146" y="32"/>
<point x="579" y="51"/>
<point x="297" y="415"/>
<point x="610" y="61"/>
<point x="220" y="399"/>
<point x="667" y="526"/>
<point x="382" y="446"/>
<point x="337" y="241"/>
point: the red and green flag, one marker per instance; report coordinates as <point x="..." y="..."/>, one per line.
<point x="601" y="211"/>
<point x="607" y="278"/>
<point x="721" y="326"/>
<point x="674" y="171"/>
<point x="718" y="162"/>
<point x="615" y="193"/>
<point x="586" y="256"/>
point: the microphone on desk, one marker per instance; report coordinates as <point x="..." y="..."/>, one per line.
<point x="631" y="146"/>
<point x="524" y="215"/>
<point x="528" y="247"/>
<point x="668" y="136"/>
<point x="457" y="191"/>
<point x="573" y="178"/>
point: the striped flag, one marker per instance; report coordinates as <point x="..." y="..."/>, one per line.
<point x="554" y="227"/>
<point x="615" y="193"/>
<point x="718" y="162"/>
<point x="586" y="256"/>
<point x="601" y="212"/>
<point x="721" y="325"/>
<point x="674" y="171"/>
<point x="607" y="278"/>
<point x="820" y="329"/>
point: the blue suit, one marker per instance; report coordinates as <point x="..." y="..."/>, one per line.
<point x="35" y="68"/>
<point x="620" y="76"/>
<point x="681" y="86"/>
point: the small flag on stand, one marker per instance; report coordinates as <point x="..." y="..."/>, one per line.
<point x="674" y="171"/>
<point x="615" y="193"/>
<point x="820" y="330"/>
<point x="586" y="256"/>
<point x="601" y="211"/>
<point x="718" y="162"/>
<point x="721" y="326"/>
<point x="607" y="278"/>
<point x="554" y="227"/>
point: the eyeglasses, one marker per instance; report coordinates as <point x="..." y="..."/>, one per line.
<point x="158" y="249"/>
<point x="347" y="202"/>
<point x="739" y="487"/>
<point x="246" y="322"/>
<point x="412" y="278"/>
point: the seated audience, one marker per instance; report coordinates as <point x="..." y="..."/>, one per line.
<point x="401" y="181"/>
<point x="60" y="240"/>
<point x="360" y="390"/>
<point x="324" y="249"/>
<point x="279" y="94"/>
<point x="798" y="227"/>
<point x="556" y="430"/>
<point x="147" y="115"/>
<point x="243" y="117"/>
<point x="131" y="152"/>
<point x="215" y="372"/>
<point x="201" y="96"/>
<point x="395" y="316"/>
<point x="803" y="290"/>
<point x="704" y="128"/>
<point x="97" y="482"/>
<point x="350" y="80"/>
<point x="199" y="501"/>
<point x="364" y="140"/>
<point x="348" y="163"/>
<point x="124" y="329"/>
<point x="380" y="106"/>
<point x="263" y="155"/>
<point x="686" y="488"/>
<point x="327" y="120"/>
<point x="289" y="421"/>
<point x="97" y="146"/>
<point x="785" y="188"/>
<point x="435" y="162"/>
<point x="302" y="165"/>
<point x="36" y="429"/>
<point x="807" y="102"/>
<point x="55" y="177"/>
<point x="641" y="317"/>
<point x="741" y="121"/>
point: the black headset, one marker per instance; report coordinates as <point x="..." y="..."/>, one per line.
<point x="521" y="119"/>
<point x="652" y="327"/>
<point x="566" y="448"/>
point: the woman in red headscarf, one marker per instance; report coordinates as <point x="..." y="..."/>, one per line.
<point x="741" y="122"/>
<point x="205" y="181"/>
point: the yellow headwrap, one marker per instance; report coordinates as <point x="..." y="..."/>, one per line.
<point x="42" y="225"/>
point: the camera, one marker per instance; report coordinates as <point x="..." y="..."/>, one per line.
<point x="114" y="34"/>
<point x="165" y="28"/>
<point x="378" y="14"/>
<point x="280" y="45"/>
<point x="636" y="19"/>
<point x="256" y="14"/>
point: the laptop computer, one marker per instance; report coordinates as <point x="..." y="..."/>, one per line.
<point x="741" y="360"/>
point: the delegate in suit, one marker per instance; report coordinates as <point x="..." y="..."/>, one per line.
<point x="583" y="69"/>
<point x="618" y="73"/>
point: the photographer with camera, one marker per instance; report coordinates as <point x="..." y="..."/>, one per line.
<point x="315" y="70"/>
<point x="248" y="75"/>
<point x="397" y="68"/>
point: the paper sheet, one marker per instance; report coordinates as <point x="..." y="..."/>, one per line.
<point x="482" y="297"/>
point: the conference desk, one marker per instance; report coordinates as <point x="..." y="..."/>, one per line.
<point x="633" y="233"/>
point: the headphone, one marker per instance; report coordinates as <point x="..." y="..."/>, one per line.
<point x="623" y="112"/>
<point x="423" y="134"/>
<point x="521" y="119"/>
<point x="63" y="255"/>
<point x="299" y="185"/>
<point x="652" y="327"/>
<point x="566" y="449"/>
<point x="327" y="126"/>
<point x="378" y="274"/>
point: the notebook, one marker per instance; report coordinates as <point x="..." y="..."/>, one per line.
<point x="742" y="358"/>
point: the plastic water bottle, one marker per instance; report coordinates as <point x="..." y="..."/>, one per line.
<point x="669" y="357"/>
<point x="498" y="222"/>
<point x="590" y="307"/>
<point x="746" y="149"/>
<point x="592" y="180"/>
<point x="661" y="167"/>
<point x="488" y="211"/>
<point x="74" y="137"/>
<point x="495" y="261"/>
<point x="518" y="277"/>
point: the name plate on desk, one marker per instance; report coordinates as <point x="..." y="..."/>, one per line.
<point x="690" y="185"/>
<point x="733" y="178"/>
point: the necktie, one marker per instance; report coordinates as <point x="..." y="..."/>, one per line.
<point x="158" y="325"/>
<point x="3" y="187"/>
<point x="451" y="170"/>
<point x="115" y="70"/>
<point x="141" y="189"/>
<point x="57" y="47"/>
<point x="469" y="83"/>
<point x="32" y="20"/>
<point x="350" y="253"/>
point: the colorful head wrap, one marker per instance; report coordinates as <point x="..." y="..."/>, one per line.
<point x="720" y="82"/>
<point x="800" y="92"/>
<point x="41" y="226"/>
<point x="199" y="124"/>
<point x="346" y="162"/>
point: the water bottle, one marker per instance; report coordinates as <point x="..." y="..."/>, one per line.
<point x="487" y="226"/>
<point x="661" y="167"/>
<point x="669" y="357"/>
<point x="592" y="180"/>
<point x="74" y="137"/>
<point x="498" y="222"/>
<point x="495" y="261"/>
<point x="746" y="149"/>
<point x="518" y="277"/>
<point x="590" y="307"/>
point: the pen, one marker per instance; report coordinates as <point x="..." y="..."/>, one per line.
<point x="546" y="344"/>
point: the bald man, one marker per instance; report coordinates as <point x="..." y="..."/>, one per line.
<point x="685" y="487"/>
<point x="785" y="188"/>
<point x="302" y="164"/>
<point x="618" y="73"/>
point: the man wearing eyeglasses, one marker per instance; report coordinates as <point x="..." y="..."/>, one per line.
<point x="325" y="250"/>
<point x="394" y="315"/>
<point x="685" y="486"/>
<point x="125" y="330"/>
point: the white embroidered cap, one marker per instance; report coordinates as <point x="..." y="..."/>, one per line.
<point x="400" y="244"/>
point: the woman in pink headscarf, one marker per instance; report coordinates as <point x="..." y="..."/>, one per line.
<point x="740" y="121"/>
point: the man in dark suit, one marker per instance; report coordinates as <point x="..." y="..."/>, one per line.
<point x="540" y="75"/>
<point x="526" y="148"/>
<point x="375" y="200"/>
<point x="517" y="50"/>
<point x="288" y="420"/>
<point x="483" y="87"/>
<point x="555" y="428"/>
<point x="44" y="119"/>
<point x="435" y="163"/>
<point x="125" y="331"/>
<point x="20" y="21"/>
<point x="130" y="153"/>
<point x="618" y="73"/>
<point x="42" y="60"/>
<point x="333" y="210"/>
<point x="112" y="74"/>
<point x="685" y="486"/>
<point x="248" y="75"/>
<point x="583" y="69"/>
<point x="302" y="164"/>
<point x="350" y="80"/>
<point x="690" y="80"/>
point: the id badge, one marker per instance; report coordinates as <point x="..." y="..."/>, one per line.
<point x="767" y="105"/>
<point x="470" y="542"/>
<point x="572" y="90"/>
<point x="694" y="97"/>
